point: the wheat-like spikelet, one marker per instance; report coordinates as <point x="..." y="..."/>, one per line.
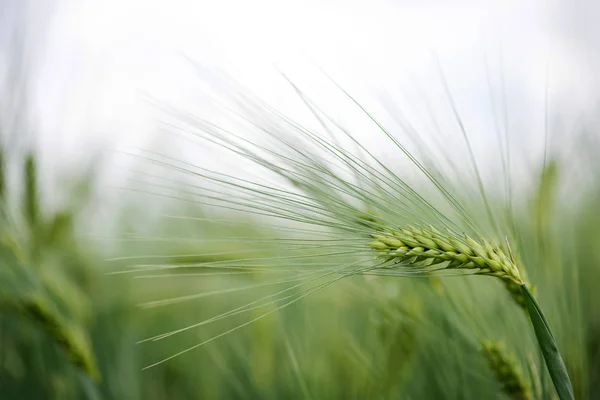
<point x="72" y="340"/>
<point x="506" y="370"/>
<point x="428" y="247"/>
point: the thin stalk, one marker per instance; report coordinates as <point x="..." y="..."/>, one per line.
<point x="554" y="362"/>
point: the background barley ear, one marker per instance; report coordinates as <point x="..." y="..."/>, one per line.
<point x="506" y="370"/>
<point x="72" y="339"/>
<point x="23" y="295"/>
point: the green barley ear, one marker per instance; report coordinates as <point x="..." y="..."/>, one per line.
<point x="422" y="248"/>
<point x="72" y="340"/>
<point x="506" y="370"/>
<point x="22" y="294"/>
<point x="428" y="247"/>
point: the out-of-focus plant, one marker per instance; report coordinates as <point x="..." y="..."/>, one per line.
<point x="44" y="308"/>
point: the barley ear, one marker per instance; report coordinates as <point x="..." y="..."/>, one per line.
<point x="506" y="370"/>
<point x="71" y="339"/>
<point x="554" y="362"/>
<point x="422" y="248"/>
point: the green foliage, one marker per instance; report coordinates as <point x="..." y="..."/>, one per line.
<point x="365" y="337"/>
<point x="212" y="292"/>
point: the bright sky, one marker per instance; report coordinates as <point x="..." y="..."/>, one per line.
<point x="97" y="60"/>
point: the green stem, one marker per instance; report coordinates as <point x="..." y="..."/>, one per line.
<point x="554" y="362"/>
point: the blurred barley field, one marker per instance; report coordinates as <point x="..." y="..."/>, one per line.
<point x="196" y="276"/>
<point x="69" y="325"/>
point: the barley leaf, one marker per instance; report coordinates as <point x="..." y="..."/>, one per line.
<point x="556" y="366"/>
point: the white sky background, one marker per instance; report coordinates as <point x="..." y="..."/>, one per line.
<point x="95" y="61"/>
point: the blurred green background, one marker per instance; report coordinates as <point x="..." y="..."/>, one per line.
<point x="70" y="321"/>
<point x="68" y="328"/>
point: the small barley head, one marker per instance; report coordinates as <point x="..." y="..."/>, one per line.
<point x="506" y="370"/>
